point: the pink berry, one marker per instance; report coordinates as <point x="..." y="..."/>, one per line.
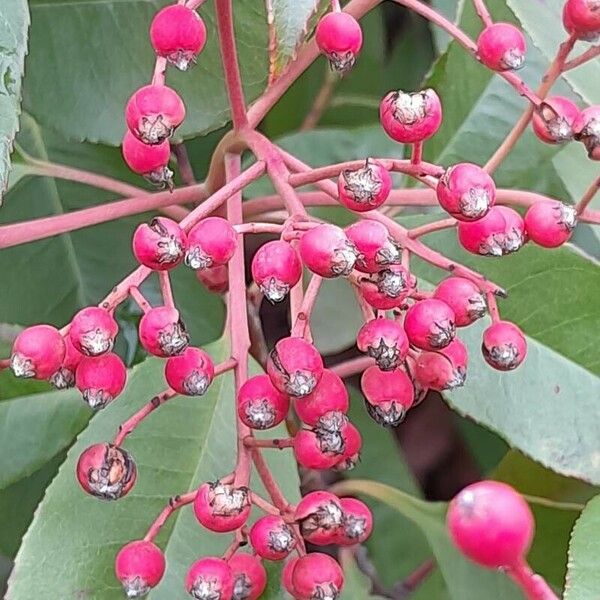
<point x="100" y="379"/>
<point x="159" y="245"/>
<point x="92" y="331"/>
<point x="352" y="447"/>
<point x="149" y="161"/>
<point x="190" y="373"/>
<point x="388" y="395"/>
<point x="376" y="248"/>
<point x="395" y="282"/>
<point x="139" y="566"/>
<point x="178" y="34"/>
<point x="210" y="578"/>
<point x="38" y="352"/>
<point x="583" y="16"/>
<point x="443" y="370"/>
<point x="553" y="120"/>
<point x="491" y="524"/>
<point x="272" y="538"/>
<point x="411" y="117"/>
<point x="106" y="471"/>
<point x="64" y="376"/>
<point x="466" y="191"/>
<point x="286" y="576"/>
<point x="504" y="346"/>
<point x="326" y="251"/>
<point x="276" y="268"/>
<point x="587" y="130"/>
<point x="295" y="366"/>
<point x="211" y="242"/>
<point x="358" y="522"/>
<point x="162" y="332"/>
<point x="320" y="517"/>
<point x="153" y="112"/>
<point x="384" y="340"/>
<point x="329" y="395"/>
<point x="221" y="507"/>
<point x="430" y="324"/>
<point x="365" y="188"/>
<point x="501" y="47"/>
<point x="249" y="576"/>
<point x="550" y="223"/>
<point x="317" y="575"/>
<point x="260" y="405"/>
<point x="339" y="37"/>
<point x="309" y="454"/>
<point x="464" y="298"/>
<point x="214" y="279"/>
<point x="514" y="235"/>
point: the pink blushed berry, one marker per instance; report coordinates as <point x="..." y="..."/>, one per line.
<point x="365" y="188"/>
<point x="211" y="242"/>
<point x="389" y="288"/>
<point x="443" y="370"/>
<point x="106" y="471"/>
<point x="92" y="331"/>
<point x="514" y="235"/>
<point x="329" y="395"/>
<point x="339" y="38"/>
<point x="317" y="575"/>
<point x="376" y="248"/>
<point x="587" y="130"/>
<point x="37" y="352"/>
<point x="411" y="117"/>
<point x="491" y="524"/>
<point x="210" y="578"/>
<point x="249" y="576"/>
<point x="214" y="279"/>
<point x="504" y="346"/>
<point x="276" y="268"/>
<point x="583" y="17"/>
<point x="430" y="324"/>
<point x="139" y="566"/>
<point x="357" y="524"/>
<point x="162" y="332"/>
<point x="100" y="379"/>
<point x="272" y="538"/>
<point x="149" y="161"/>
<point x="153" y="112"/>
<point x="464" y="298"/>
<point x="327" y="251"/>
<point x="550" y="223"/>
<point x="159" y="245"/>
<point x="388" y="395"/>
<point x="190" y="373"/>
<point x="320" y="517"/>
<point x="502" y="47"/>
<point x="64" y="376"/>
<point x="260" y="405"/>
<point x="352" y="447"/>
<point x="221" y="507"/>
<point x="309" y="454"/>
<point x="178" y="34"/>
<point x="384" y="340"/>
<point x="286" y="576"/>
<point x="553" y="120"/>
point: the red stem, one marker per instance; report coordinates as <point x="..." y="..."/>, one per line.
<point x="493" y="307"/>
<point x="353" y="366"/>
<point x="165" y="289"/>
<point x="432" y="227"/>
<point x="269" y="482"/>
<point x="534" y="586"/>
<point x="417" y="153"/>
<point x="277" y="443"/>
<point x="483" y="12"/>
<point x="302" y="316"/>
<point x="588" y="196"/>
<point x="175" y="503"/>
<point x="265" y="506"/>
<point x="139" y="299"/>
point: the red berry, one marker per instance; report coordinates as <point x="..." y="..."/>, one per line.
<point x="162" y="332"/>
<point x="249" y="576"/>
<point x="411" y="117"/>
<point x="260" y="405"/>
<point x="222" y="507"/>
<point x="190" y="373"/>
<point x="211" y="242"/>
<point x="339" y="37"/>
<point x="178" y="34"/>
<point x="352" y="447"/>
<point x="491" y="524"/>
<point x="214" y="279"/>
<point x="388" y="395"/>
<point x="514" y="234"/>
<point x="38" y="352"/>
<point x="320" y="517"/>
<point x="501" y="47"/>
<point x="153" y="112"/>
<point x="366" y="188"/>
<point x="93" y="330"/>
<point x="504" y="346"/>
<point x="149" y="161"/>
<point x="587" y="130"/>
<point x="395" y="283"/>
<point x="326" y="251"/>
<point x="286" y="576"/>
<point x="100" y="379"/>
<point x="583" y="17"/>
<point x="276" y="268"/>
<point x="550" y="223"/>
<point x="384" y="340"/>
<point x="553" y="120"/>
<point x="376" y="248"/>
<point x="210" y="578"/>
<point x="317" y="575"/>
<point x="442" y="370"/>
<point x="64" y="376"/>
<point x="159" y="245"/>
<point x="139" y="567"/>
<point x="272" y="538"/>
<point x="106" y="471"/>
<point x="357" y="524"/>
<point x="309" y="454"/>
<point x="329" y="395"/>
<point x="464" y="298"/>
<point x="430" y="324"/>
<point x="466" y="191"/>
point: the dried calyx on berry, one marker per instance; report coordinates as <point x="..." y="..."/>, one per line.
<point x="327" y="251"/>
<point x="272" y="538"/>
<point x="92" y="331"/>
<point x="211" y="242"/>
<point x="249" y="576"/>
<point x="329" y="395"/>
<point x="139" y="566"/>
<point x="550" y="223"/>
<point x="464" y="298"/>
<point x="582" y="18"/>
<point x="162" y="332"/>
<point x="357" y="523"/>
<point x="504" y="346"/>
<point x="190" y="373"/>
<point x="384" y="340"/>
<point x="159" y="245"/>
<point x="430" y="324"/>
<point x="222" y="507"/>
<point x="64" y="376"/>
<point x="210" y="578"/>
<point x="587" y="130"/>
<point x="37" y="352"/>
<point x="317" y="576"/>
<point x="276" y="268"/>
<point x="320" y="517"/>
<point x="149" y="161"/>
<point x="375" y="246"/>
<point x="443" y="370"/>
<point x="100" y="379"/>
<point x="365" y="188"/>
<point x="339" y="37"/>
<point x="388" y="395"/>
<point x="554" y="118"/>
<point x="260" y="405"/>
<point x="502" y="47"/>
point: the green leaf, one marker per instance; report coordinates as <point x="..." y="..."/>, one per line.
<point x="357" y="586"/>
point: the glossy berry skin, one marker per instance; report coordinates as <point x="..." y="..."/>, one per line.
<point x="309" y="453"/>
<point x="411" y="117"/>
<point x="222" y="507"/>
<point x="153" y="112"/>
<point x="358" y="522"/>
<point x="162" y="332"/>
<point x="553" y="120"/>
<point x="210" y="578"/>
<point x="352" y="447"/>
<point x="106" y="471"/>
<point x="139" y="566"/>
<point x="100" y="379"/>
<point x="491" y="524"/>
<point x="249" y="576"/>
<point x="37" y="352"/>
<point x="388" y="395"/>
<point x="466" y="192"/>
<point x="389" y="288"/>
<point x="320" y="517"/>
<point x="64" y="376"/>
<point x="339" y="38"/>
<point x="326" y="251"/>
<point x="272" y="538"/>
<point x="211" y="242"/>
<point x="329" y="395"/>
<point x="317" y="575"/>
<point x="514" y="235"/>
<point x="464" y="298"/>
<point x="149" y="161"/>
<point x="92" y="331"/>
<point x="430" y="324"/>
<point x="583" y="16"/>
<point x="443" y="370"/>
<point x="550" y="223"/>
<point x="214" y="279"/>
<point x="286" y="576"/>
<point x="276" y="268"/>
<point x="159" y="245"/>
<point x="587" y="130"/>
<point x="178" y="34"/>
<point x="384" y="340"/>
<point x="260" y="405"/>
<point x="366" y="188"/>
<point x="502" y="47"/>
<point x="504" y="346"/>
<point x="190" y="373"/>
<point x="376" y="248"/>
<point x="295" y="367"/>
